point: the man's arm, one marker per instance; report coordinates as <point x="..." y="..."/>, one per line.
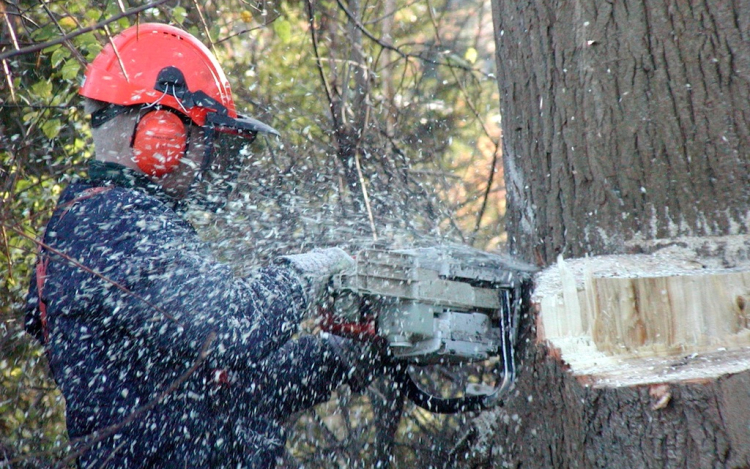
<point x="155" y="279"/>
<point x="302" y="373"/>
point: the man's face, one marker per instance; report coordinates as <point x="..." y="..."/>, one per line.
<point x="229" y="154"/>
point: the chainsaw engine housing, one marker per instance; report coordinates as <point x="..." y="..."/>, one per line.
<point x="441" y="305"/>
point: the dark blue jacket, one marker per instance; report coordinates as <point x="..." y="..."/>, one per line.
<point x="132" y="299"/>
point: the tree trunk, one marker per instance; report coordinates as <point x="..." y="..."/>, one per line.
<point x="623" y="121"/>
<point x="625" y="129"/>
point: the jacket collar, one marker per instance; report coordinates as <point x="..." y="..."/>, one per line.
<point x="102" y="173"/>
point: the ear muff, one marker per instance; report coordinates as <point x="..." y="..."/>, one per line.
<point x="159" y="142"/>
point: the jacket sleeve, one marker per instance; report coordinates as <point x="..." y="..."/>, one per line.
<point x="139" y="270"/>
<point x="299" y="375"/>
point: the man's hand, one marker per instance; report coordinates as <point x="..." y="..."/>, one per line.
<point x="364" y="360"/>
<point x="317" y="267"/>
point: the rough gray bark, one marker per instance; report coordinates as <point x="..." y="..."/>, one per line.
<point x="623" y="123"/>
<point x="555" y="420"/>
<point x="623" y="120"/>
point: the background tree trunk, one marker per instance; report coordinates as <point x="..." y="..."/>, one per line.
<point x="625" y="128"/>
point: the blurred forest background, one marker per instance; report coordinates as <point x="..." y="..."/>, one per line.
<point x="390" y="125"/>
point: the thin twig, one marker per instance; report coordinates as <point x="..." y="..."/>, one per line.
<point x="478" y="117"/>
<point x="117" y="53"/>
<point x="68" y="44"/>
<point x="35" y="106"/>
<point x="89" y="270"/>
<point x="76" y="33"/>
<point x="6" y="68"/>
<point x="487" y="191"/>
<point x="11" y="31"/>
<point x="6" y="245"/>
<point x="397" y="50"/>
<point x="9" y="79"/>
<point x="321" y="72"/>
<point x="364" y="196"/>
<point x="248" y="30"/>
<point x="205" y="27"/>
<point x="243" y="31"/>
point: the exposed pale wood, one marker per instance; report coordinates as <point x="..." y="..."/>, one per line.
<point x="636" y="319"/>
<point x="605" y="383"/>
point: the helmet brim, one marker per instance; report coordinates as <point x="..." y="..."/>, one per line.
<point x="240" y="125"/>
<point x="256" y="125"/>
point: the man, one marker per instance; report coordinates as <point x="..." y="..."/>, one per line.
<point x="165" y="359"/>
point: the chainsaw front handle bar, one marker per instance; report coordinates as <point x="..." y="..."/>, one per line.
<point x="441" y="405"/>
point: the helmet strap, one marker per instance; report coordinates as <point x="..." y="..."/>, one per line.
<point x="209" y="134"/>
<point x="107" y="113"/>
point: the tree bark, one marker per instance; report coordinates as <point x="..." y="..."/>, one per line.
<point x="553" y="420"/>
<point x="625" y="128"/>
<point x="623" y="121"/>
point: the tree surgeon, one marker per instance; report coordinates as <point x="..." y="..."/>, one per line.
<point x="164" y="357"/>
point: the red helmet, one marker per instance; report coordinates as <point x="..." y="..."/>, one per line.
<point x="155" y="63"/>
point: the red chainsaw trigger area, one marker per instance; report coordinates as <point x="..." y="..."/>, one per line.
<point x="364" y="330"/>
<point x="352" y="330"/>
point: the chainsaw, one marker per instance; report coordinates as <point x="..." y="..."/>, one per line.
<point x="435" y="306"/>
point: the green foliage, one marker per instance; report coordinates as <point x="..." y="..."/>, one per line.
<point x="418" y="104"/>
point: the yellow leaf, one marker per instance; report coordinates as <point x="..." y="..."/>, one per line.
<point x="246" y="16"/>
<point x="51" y="128"/>
<point x="68" y="23"/>
<point x="471" y="55"/>
<point x="283" y="29"/>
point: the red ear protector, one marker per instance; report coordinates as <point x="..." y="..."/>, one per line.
<point x="159" y="142"/>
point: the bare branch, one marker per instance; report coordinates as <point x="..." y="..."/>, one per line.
<point x="397" y="50"/>
<point x="365" y="196"/>
<point x="6" y="68"/>
<point x="117" y="53"/>
<point x="323" y="79"/>
<point x="89" y="270"/>
<point x="9" y="79"/>
<point x="244" y="31"/>
<point x="78" y="32"/>
<point x="478" y="117"/>
<point x="67" y="43"/>
<point x="487" y="191"/>
<point x="248" y="30"/>
<point x="205" y="27"/>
